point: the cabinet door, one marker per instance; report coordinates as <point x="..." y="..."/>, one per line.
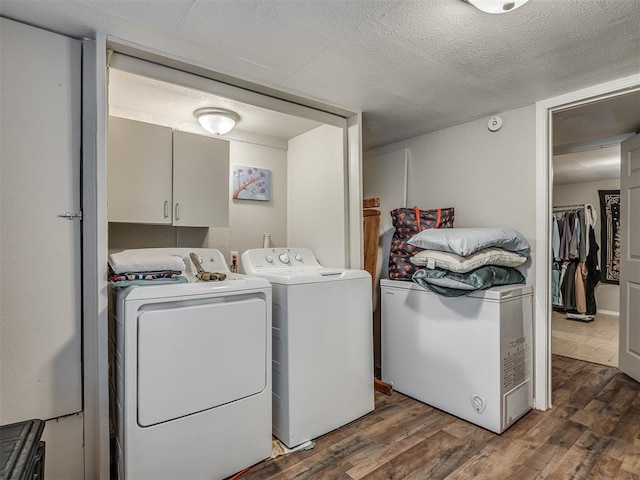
<point x="138" y="172"/>
<point x="200" y="181"/>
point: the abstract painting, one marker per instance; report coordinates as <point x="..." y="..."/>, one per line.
<point x="251" y="183"/>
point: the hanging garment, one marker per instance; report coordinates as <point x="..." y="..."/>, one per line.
<point x="560" y="219"/>
<point x="591" y="217"/>
<point x="593" y="273"/>
<point x="580" y="290"/>
<point x="582" y="247"/>
<point x="555" y="238"/>
<point x="566" y="236"/>
<point x="568" y="287"/>
<point x="574" y="244"/>
<point x="563" y="273"/>
<point x="555" y="285"/>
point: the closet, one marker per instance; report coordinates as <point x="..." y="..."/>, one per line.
<point x="575" y="272"/>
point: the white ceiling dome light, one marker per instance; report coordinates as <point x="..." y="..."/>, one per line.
<point x="216" y="120"/>
<point x="496" y="6"/>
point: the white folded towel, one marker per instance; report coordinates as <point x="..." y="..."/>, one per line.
<point x="130" y="261"/>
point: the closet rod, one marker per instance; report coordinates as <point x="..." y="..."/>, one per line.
<point x="562" y="208"/>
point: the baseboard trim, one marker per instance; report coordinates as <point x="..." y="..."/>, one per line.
<point x="609" y="312"/>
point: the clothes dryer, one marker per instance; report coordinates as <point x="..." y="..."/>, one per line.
<point x="191" y="374"/>
<point x="322" y="342"/>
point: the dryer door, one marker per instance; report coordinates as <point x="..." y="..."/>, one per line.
<point x="194" y="357"/>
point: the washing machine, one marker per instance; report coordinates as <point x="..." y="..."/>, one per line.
<point x="322" y="342"/>
<point x="191" y="374"/>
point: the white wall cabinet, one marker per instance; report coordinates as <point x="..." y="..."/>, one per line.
<point x="158" y="176"/>
<point x="139" y="172"/>
<point x="200" y="181"/>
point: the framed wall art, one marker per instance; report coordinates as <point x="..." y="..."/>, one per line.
<point x="610" y="236"/>
<point x="251" y="183"/>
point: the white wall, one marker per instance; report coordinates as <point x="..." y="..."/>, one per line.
<point x="489" y="178"/>
<point x="607" y="295"/>
<point x="248" y="220"/>
<point x="385" y="177"/>
<point x="317" y="194"/>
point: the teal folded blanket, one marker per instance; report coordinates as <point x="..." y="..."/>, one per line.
<point x="453" y="284"/>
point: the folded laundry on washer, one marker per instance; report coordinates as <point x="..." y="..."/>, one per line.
<point x="145" y="278"/>
<point x="136" y="261"/>
<point x="129" y="283"/>
<point x="168" y="274"/>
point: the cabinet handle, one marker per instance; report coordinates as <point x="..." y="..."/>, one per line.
<point x="177" y="211"/>
<point x="166" y="208"/>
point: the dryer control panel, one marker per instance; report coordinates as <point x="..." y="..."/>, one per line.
<point x="275" y="259"/>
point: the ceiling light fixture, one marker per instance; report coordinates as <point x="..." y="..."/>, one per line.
<point x="496" y="6"/>
<point x="216" y="120"/>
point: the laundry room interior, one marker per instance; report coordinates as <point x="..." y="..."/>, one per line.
<point x="316" y="239"/>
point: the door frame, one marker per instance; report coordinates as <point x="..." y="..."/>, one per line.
<point x="544" y="190"/>
<point x="94" y="259"/>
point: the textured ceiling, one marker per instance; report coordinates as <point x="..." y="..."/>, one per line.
<point x="411" y="66"/>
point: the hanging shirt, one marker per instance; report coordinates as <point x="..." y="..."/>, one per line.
<point x="555" y="238"/>
<point x="574" y="244"/>
<point x="561" y="283"/>
<point x="565" y="238"/>
<point x="582" y="248"/>
<point x="593" y="273"/>
<point x="555" y="286"/>
<point x="581" y="297"/>
<point x="591" y="216"/>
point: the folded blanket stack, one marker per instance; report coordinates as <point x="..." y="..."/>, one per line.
<point x="143" y="267"/>
<point x="458" y="261"/>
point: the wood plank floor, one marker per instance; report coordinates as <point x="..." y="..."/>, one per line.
<point x="593" y="431"/>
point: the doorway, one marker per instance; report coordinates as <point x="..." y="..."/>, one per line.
<point x="544" y="118"/>
<point x="544" y="154"/>
<point x="586" y="161"/>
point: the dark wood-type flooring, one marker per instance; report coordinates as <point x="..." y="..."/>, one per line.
<point x="593" y="431"/>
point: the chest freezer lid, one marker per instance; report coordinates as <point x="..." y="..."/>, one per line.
<point x="497" y="294"/>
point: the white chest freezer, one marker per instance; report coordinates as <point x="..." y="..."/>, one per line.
<point x="469" y="356"/>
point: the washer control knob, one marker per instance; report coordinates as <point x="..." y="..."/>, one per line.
<point x="298" y="257"/>
<point x="269" y="258"/>
<point x="284" y="258"/>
